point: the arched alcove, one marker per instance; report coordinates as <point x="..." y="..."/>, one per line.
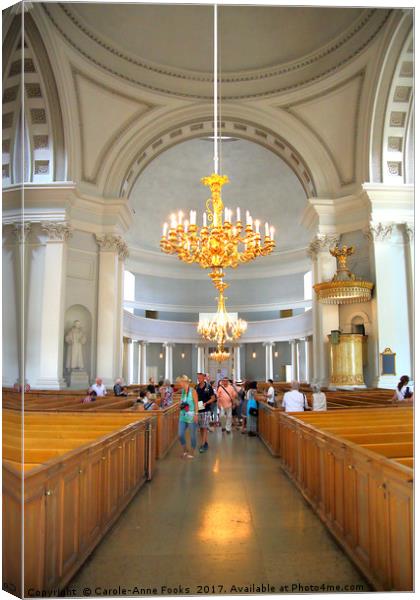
<point x="78" y="312"/>
<point x="260" y="182"/>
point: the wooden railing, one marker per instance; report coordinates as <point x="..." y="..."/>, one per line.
<point x="361" y="491"/>
<point x="79" y="475"/>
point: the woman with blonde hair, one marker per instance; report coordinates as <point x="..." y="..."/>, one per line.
<point x="188" y="415"/>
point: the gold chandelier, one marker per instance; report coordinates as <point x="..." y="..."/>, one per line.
<point x="220" y="355"/>
<point x="344" y="287"/>
<point x="222" y="328"/>
<point x="223" y="240"/>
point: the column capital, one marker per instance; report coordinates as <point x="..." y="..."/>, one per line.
<point x="21" y="230"/>
<point x="57" y="231"/>
<point x="110" y="242"/>
<point x="322" y="242"/>
<point x="169" y="344"/>
<point x="268" y="344"/>
<point x="379" y="232"/>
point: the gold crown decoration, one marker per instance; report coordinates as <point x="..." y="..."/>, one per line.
<point x="345" y="287"/>
<point x="222" y="241"/>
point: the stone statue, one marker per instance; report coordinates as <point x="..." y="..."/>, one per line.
<point x="75" y="340"/>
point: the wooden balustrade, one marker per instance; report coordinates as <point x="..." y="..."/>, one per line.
<point x="355" y="468"/>
<point x="79" y="474"/>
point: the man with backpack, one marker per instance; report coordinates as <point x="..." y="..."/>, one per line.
<point x="206" y="398"/>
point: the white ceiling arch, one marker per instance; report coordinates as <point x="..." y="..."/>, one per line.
<point x="274" y="129"/>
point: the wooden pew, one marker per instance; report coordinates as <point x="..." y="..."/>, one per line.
<point x="80" y="472"/>
<point x="355" y="469"/>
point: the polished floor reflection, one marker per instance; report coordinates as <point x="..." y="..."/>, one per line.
<point x="228" y="518"/>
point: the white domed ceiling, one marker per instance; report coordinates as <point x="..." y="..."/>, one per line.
<point x="168" y="49"/>
<point x="259" y="182"/>
<point x="252" y="37"/>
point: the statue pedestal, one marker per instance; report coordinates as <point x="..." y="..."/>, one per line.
<point x="346" y="361"/>
<point x="79" y="380"/>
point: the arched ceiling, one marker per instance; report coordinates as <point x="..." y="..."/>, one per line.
<point x="252" y="37"/>
<point x="259" y="182"/>
<point x="167" y="49"/>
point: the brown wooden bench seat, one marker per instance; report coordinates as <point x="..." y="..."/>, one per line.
<point x="79" y="471"/>
<point x="355" y="469"/>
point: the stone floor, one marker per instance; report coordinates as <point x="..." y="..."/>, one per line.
<point x="228" y="518"/>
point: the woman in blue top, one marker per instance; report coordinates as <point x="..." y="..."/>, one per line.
<point x="188" y="415"/>
<point x="251" y="409"/>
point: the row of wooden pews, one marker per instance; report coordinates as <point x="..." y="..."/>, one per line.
<point x="167" y="419"/>
<point x="355" y="468"/>
<point x="79" y="473"/>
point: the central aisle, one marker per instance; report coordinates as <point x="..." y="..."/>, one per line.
<point x="228" y="517"/>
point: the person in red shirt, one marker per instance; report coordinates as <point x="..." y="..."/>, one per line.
<point x="226" y="395"/>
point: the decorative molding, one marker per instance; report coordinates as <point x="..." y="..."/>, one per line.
<point x="21" y="231"/>
<point x="321" y="243"/>
<point x="379" y="232"/>
<point x="366" y="28"/>
<point x="199" y="128"/>
<point x="57" y="231"/>
<point x="109" y="242"/>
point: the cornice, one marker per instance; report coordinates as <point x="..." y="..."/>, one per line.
<point x="163" y="80"/>
<point x="63" y="201"/>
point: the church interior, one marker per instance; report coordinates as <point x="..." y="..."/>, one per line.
<point x="207" y="201"/>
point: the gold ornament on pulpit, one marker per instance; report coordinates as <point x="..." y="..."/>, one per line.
<point x="345" y="287"/>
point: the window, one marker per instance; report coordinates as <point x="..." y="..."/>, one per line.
<point x="129" y="290"/>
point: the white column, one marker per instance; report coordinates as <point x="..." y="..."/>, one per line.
<point x="408" y="237"/>
<point x="268" y="360"/>
<point x="294" y="359"/>
<point x="142" y="362"/>
<point x="325" y="316"/>
<point x="130" y="376"/>
<point x="237" y="362"/>
<point x="125" y="362"/>
<point x="21" y="265"/>
<point x="200" y="358"/>
<point x="52" y="307"/>
<point x="308" y="360"/>
<point x="391" y="299"/>
<point x="112" y="251"/>
<point x="128" y="361"/>
<point x="169" y="361"/>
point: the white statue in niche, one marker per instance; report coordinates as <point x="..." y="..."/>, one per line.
<point x="75" y="340"/>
